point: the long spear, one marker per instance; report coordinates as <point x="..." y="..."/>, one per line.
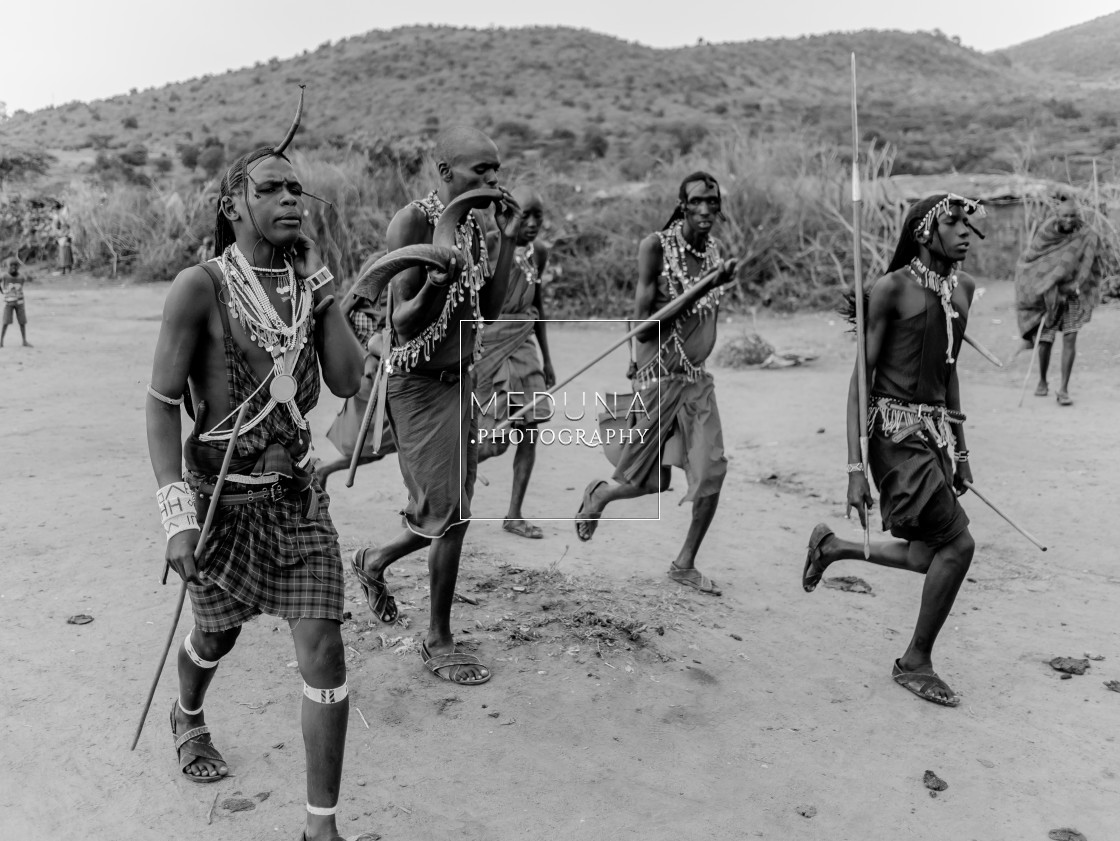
<point x="199" y="548"/>
<point x="1011" y="522"/>
<point x="861" y="343"/>
<point x="702" y="286"/>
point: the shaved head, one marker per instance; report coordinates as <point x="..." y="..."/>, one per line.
<point x="457" y="143"/>
<point x="528" y="198"/>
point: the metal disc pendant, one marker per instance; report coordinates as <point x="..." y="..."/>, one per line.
<point x="282" y="388"/>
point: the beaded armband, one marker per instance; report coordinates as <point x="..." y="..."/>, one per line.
<point x="163" y="398"/>
<point x="176" y="508"/>
<point x="856" y="467"/>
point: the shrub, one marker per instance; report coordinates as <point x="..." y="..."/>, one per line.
<point x="188" y="155"/>
<point x="135" y="155"/>
<point x="212" y="159"/>
<point x="130" y="122"/>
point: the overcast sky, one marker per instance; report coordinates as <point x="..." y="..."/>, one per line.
<point x="55" y="52"/>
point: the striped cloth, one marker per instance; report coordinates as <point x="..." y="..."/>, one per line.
<point x="1071" y="317"/>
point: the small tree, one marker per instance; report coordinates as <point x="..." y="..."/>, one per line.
<point x="211" y="159"/>
<point x="135" y="155"/>
<point x="17" y="164"/>
<point x="188" y="155"/>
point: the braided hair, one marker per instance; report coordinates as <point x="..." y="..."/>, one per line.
<point x="708" y="180"/>
<point x="234" y="180"/>
<point x="907" y="248"/>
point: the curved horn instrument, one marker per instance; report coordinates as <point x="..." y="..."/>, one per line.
<point x="372" y="282"/>
<point x="279" y="149"/>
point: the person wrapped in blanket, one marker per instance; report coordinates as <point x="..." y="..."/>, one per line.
<point x="254" y="327"/>
<point x="367" y="319"/>
<point x="915" y="323"/>
<point x="1057" y="286"/>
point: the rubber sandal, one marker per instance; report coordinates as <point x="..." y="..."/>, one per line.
<point x="190" y="747"/>
<point x="435" y="662"/>
<point x="380" y="600"/>
<point x="920" y="683"/>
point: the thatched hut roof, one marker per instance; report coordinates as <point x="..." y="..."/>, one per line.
<point x="1000" y="188"/>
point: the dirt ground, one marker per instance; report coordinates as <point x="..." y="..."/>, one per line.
<point x="622" y="706"/>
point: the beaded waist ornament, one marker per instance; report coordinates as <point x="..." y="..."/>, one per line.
<point x="472" y="277"/>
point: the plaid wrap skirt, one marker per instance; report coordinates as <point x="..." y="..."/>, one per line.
<point x="267" y="557"/>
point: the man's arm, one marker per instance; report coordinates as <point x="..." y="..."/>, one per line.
<point x="418" y="296"/>
<point x="185" y="315"/>
<point x="541" y="254"/>
<point x="881" y="305"/>
<point x="340" y="355"/>
<point x="645" y="293"/>
<point x="493" y="294"/>
<point x="953" y="398"/>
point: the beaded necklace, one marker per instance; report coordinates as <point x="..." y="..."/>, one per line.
<point x="943" y="286"/>
<point x="471" y="279"/>
<point x="523" y="258"/>
<point x="674" y="269"/>
<point x="675" y="266"/>
<point x="249" y="303"/>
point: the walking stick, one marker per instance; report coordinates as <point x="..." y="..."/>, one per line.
<point x="363" y="430"/>
<point x="198" y="550"/>
<point x="1013" y="524"/>
<point x="861" y="338"/>
<point x="983" y="351"/>
<point x="1034" y="356"/>
<point x="701" y="287"/>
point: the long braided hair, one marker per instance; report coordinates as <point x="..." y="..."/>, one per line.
<point x="907" y="248"/>
<point x="235" y="179"/>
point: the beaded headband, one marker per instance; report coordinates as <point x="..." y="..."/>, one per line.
<point x="970" y="206"/>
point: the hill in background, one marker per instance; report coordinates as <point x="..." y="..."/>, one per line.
<point x="564" y="94"/>
<point x="1086" y="51"/>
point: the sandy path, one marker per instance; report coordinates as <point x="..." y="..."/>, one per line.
<point x="744" y="708"/>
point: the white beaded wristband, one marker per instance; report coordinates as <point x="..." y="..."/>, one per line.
<point x="319" y="278"/>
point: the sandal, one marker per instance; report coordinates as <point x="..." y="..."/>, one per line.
<point x="699" y="582"/>
<point x="378" y="597"/>
<point x="1042" y="391"/>
<point x="523" y="529"/>
<point x="1064" y="399"/>
<point x="190" y="746"/>
<point x="585" y="526"/>
<point x="452" y="662"/>
<point x="810" y="580"/>
<point x="920" y="683"/>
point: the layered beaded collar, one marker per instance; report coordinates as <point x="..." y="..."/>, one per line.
<point x="944" y="286"/>
<point x="675" y="265"/>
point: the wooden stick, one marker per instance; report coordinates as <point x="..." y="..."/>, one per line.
<point x="701" y="287"/>
<point x="198" y="550"/>
<point x="1034" y="356"/>
<point x="861" y="338"/>
<point x="983" y="351"/>
<point x="363" y="430"/>
<point x="1013" y="524"/>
